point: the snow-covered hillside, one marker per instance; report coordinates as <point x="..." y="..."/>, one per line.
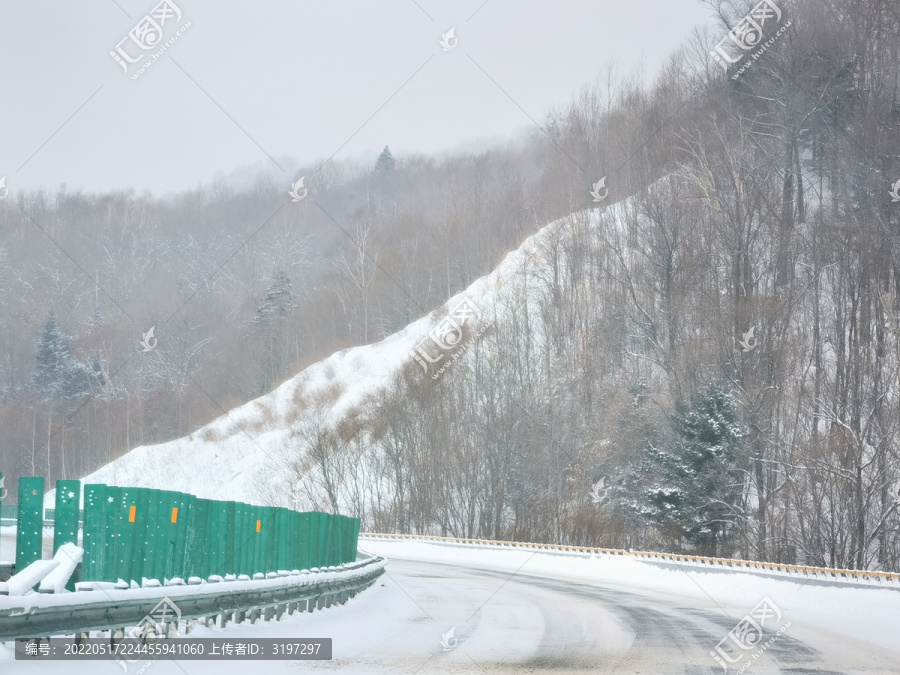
<point x="245" y="455"/>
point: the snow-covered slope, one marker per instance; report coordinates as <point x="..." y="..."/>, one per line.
<point x="244" y="455"/>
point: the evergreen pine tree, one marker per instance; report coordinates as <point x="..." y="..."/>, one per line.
<point x="693" y="488"/>
<point x="269" y="329"/>
<point x="385" y="162"/>
<point x="279" y="300"/>
<point x="57" y="374"/>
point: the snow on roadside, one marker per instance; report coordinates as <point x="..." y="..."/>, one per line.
<point x="867" y="614"/>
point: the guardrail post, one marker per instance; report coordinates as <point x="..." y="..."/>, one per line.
<point x="30" y="522"/>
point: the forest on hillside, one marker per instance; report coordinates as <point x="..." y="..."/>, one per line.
<point x="709" y="366"/>
<point x="707" y="360"/>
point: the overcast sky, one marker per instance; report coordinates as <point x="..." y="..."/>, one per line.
<point x="259" y="83"/>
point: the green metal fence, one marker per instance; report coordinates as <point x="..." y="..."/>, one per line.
<point x="136" y="533"/>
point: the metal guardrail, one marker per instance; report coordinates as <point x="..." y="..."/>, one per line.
<point x="231" y="601"/>
<point x="671" y="558"/>
<point x="492" y="542"/>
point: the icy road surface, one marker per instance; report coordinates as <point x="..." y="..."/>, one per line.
<point x="519" y="612"/>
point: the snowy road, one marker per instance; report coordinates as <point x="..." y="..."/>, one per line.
<point x="518" y="612"/>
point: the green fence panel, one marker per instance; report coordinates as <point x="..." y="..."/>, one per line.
<point x="240" y="539"/>
<point x="180" y="516"/>
<point x="334" y="538"/>
<point x="346" y="537"/>
<point x="258" y="539"/>
<point x="326" y="539"/>
<point x="342" y="535"/>
<point x="262" y="539"/>
<point x="290" y="540"/>
<point x="110" y="514"/>
<point x="65" y="522"/>
<point x="269" y="543"/>
<point x="222" y="543"/>
<point x="247" y="540"/>
<point x="297" y="559"/>
<point x="216" y="537"/>
<point x="318" y="534"/>
<point x="141" y="524"/>
<point x="304" y="541"/>
<point x="199" y="539"/>
<point x="250" y="539"/>
<point x="30" y="522"/>
<point x="167" y="531"/>
<point x="94" y="532"/>
<point x="171" y="516"/>
<point x="188" y="517"/>
<point x="282" y="543"/>
<point x="354" y="541"/>
<point x="126" y="516"/>
<point x="230" y="561"/>
<point x="312" y="539"/>
<point x="154" y="536"/>
<point x="323" y="540"/>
